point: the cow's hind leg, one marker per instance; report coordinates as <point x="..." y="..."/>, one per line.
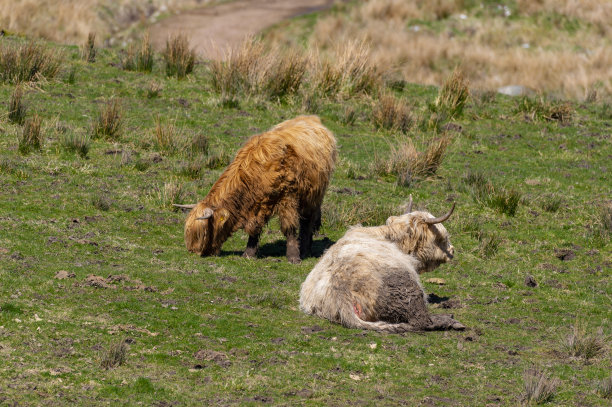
<point x="289" y="222"/>
<point x="309" y="222"/>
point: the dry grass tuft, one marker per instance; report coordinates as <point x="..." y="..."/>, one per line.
<point x="76" y="143"/>
<point x="252" y="70"/>
<point x="452" y="95"/>
<point x="538" y="108"/>
<point x="153" y="89"/>
<point x="180" y="60"/>
<point x="28" y="62"/>
<point x="115" y="355"/>
<point x="409" y="164"/>
<point x="171" y="193"/>
<point x="348" y="71"/>
<point x="31" y="136"/>
<point x="17" y="109"/>
<point x="88" y="50"/>
<point x="110" y="121"/>
<point x="140" y="60"/>
<point x="538" y="387"/>
<point x="581" y="345"/>
<point x="392" y="113"/>
<point x="604" y="388"/>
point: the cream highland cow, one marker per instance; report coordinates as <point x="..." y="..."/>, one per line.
<point x="369" y="279"/>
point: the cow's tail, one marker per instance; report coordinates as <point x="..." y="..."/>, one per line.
<point x="351" y="320"/>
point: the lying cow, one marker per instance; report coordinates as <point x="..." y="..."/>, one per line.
<point x="369" y="279"/>
<point x="283" y="172"/>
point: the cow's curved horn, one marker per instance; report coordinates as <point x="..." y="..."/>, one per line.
<point x="431" y="221"/>
<point x="188" y="206"/>
<point x="207" y="214"/>
<point x="409" y="205"/>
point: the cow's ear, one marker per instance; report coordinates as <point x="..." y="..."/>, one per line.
<point x="221" y="216"/>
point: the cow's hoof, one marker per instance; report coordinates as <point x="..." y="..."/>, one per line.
<point x="249" y="254"/>
<point x="294" y="260"/>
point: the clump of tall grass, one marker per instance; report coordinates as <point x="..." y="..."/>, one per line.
<point x="251" y="69"/>
<point x="482" y="190"/>
<point x="216" y="159"/>
<point x="349" y="115"/>
<point x="409" y="164"/>
<point x="604" y="388"/>
<point x="453" y="95"/>
<point x="115" y="355"/>
<point x="551" y="202"/>
<point x="171" y="192"/>
<point x="17" y="108"/>
<point x="153" y="89"/>
<point x="140" y="60"/>
<point x="101" y="202"/>
<point x="347" y="72"/>
<point x="76" y="143"/>
<point x="28" y="62"/>
<point x="200" y="144"/>
<point x="539" y="388"/>
<point x="31" y="136"/>
<point x="166" y="137"/>
<point x="109" y="122"/>
<point x="584" y="346"/>
<point x="180" y="60"/>
<point x="538" y="108"/>
<point x="71" y="77"/>
<point x="392" y="113"/>
<point x="604" y="221"/>
<point x="88" y="50"/>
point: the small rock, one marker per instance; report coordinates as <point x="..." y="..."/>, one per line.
<point x="63" y="274"/>
<point x="435" y="280"/>
<point x="373" y="345"/>
<point x="515" y="90"/>
<point x="530" y="281"/>
<point x="355" y="377"/>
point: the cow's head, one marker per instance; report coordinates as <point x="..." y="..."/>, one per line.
<point x="205" y="229"/>
<point x="422" y="235"/>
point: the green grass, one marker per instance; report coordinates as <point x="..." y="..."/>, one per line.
<point x="109" y="215"/>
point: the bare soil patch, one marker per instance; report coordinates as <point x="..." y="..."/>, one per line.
<point x="211" y="30"/>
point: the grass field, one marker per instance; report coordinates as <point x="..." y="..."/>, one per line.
<point x="100" y="303"/>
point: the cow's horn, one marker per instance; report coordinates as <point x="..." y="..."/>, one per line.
<point x="207" y="214"/>
<point x="431" y="221"/>
<point x="409" y="205"/>
<point x="189" y="206"/>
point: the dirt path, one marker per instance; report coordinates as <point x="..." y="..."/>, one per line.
<point x="212" y="29"/>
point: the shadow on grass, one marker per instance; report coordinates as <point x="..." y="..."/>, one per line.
<point x="279" y="249"/>
<point x="434" y="299"/>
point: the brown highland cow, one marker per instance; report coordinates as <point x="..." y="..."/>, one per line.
<point x="369" y="279"/>
<point x="283" y="172"/>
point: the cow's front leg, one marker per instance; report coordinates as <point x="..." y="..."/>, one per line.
<point x="252" y="245"/>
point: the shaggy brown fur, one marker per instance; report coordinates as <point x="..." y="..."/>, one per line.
<point x="284" y="171"/>
<point x="369" y="278"/>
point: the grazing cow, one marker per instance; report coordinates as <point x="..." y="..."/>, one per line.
<point x="284" y="171"/>
<point x="369" y="279"/>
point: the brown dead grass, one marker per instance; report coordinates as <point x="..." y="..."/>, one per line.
<point x="409" y="164"/>
<point x="538" y="51"/>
